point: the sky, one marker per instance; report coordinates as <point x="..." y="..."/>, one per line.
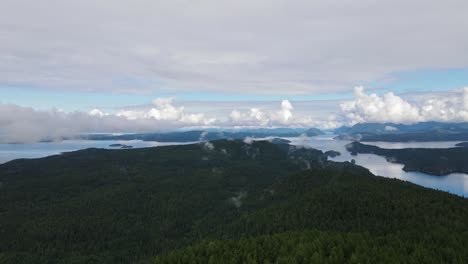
<point x="70" y="67"/>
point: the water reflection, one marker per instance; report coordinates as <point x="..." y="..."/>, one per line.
<point x="456" y="183"/>
<point x="38" y="150"/>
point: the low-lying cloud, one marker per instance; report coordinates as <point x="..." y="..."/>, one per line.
<point x="24" y="124"/>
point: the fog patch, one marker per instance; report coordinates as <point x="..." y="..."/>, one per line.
<point x="237" y="200"/>
<point x="390" y="128"/>
<point x="248" y="140"/>
<point x="208" y="146"/>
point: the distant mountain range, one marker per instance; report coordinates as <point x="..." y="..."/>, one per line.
<point x="212" y="134"/>
<point x="391" y="132"/>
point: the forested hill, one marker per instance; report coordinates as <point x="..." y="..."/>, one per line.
<point x="390" y="132"/>
<point x="199" y="135"/>
<point x="436" y="161"/>
<point x="216" y="202"/>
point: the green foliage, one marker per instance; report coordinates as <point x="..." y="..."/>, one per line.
<point x="232" y="202"/>
<point x="309" y="247"/>
<point x="437" y="161"/>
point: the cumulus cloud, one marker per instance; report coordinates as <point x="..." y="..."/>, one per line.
<point x="390" y="128"/>
<point x="285" y="116"/>
<point x="23" y="124"/>
<point x="246" y="46"/>
<point x="248" y="140"/>
<point x="451" y="107"/>
<point x="164" y="110"/>
<point x="258" y="117"/>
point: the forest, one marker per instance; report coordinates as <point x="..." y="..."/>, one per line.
<point x="434" y="161"/>
<point x="225" y="201"/>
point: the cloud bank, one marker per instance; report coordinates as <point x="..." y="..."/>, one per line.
<point x="452" y="107"/>
<point x="23" y="124"/>
<point x="244" y="46"/>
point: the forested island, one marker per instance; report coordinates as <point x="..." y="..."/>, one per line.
<point x="434" y="161"/>
<point x="391" y="132"/>
<point x="201" y="135"/>
<point x="462" y="144"/>
<point x="406" y="137"/>
<point x="224" y="201"/>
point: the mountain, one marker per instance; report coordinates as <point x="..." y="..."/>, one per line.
<point x="199" y="135"/>
<point x="220" y="201"/>
<point x="393" y="128"/>
<point x="437" y="161"/>
<point x="390" y="132"/>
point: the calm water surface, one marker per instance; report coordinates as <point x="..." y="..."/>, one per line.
<point x="456" y="183"/>
<point x="38" y="150"/>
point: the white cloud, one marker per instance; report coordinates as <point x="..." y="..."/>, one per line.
<point x="450" y="107"/>
<point x="23" y="124"/>
<point x="208" y="146"/>
<point x="286" y="117"/>
<point x="286" y="111"/>
<point x="245" y="46"/>
<point x="258" y="117"/>
<point x="96" y="112"/>
<point x="248" y="140"/>
<point x="165" y="110"/>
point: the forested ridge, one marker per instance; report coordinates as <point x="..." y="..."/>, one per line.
<point x="435" y="161"/>
<point x="224" y="201"/>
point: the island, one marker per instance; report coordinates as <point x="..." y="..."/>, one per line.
<point x="200" y="135"/>
<point x="391" y="132"/>
<point x="234" y="202"/>
<point x="332" y="153"/>
<point x="434" y="161"/>
<point x="122" y="146"/>
<point x="462" y="144"/>
<point x="280" y="141"/>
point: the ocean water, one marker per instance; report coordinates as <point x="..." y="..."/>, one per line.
<point x="456" y="183"/>
<point x="38" y="150"/>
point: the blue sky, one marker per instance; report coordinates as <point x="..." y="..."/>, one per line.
<point x="420" y="81"/>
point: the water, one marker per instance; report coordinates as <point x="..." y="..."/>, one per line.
<point x="456" y="183"/>
<point x="38" y="150"/>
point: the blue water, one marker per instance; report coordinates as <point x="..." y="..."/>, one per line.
<point x="456" y="183"/>
<point x="38" y="150"/>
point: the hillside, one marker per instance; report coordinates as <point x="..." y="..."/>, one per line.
<point x="437" y="161"/>
<point x="202" y="201"/>
<point x="390" y="132"/>
<point x="198" y="135"/>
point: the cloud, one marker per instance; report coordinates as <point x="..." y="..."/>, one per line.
<point x="165" y="110"/>
<point x="450" y="107"/>
<point x="245" y="46"/>
<point x="258" y="117"/>
<point x="286" y="117"/>
<point x="248" y="140"/>
<point x="23" y="124"/>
